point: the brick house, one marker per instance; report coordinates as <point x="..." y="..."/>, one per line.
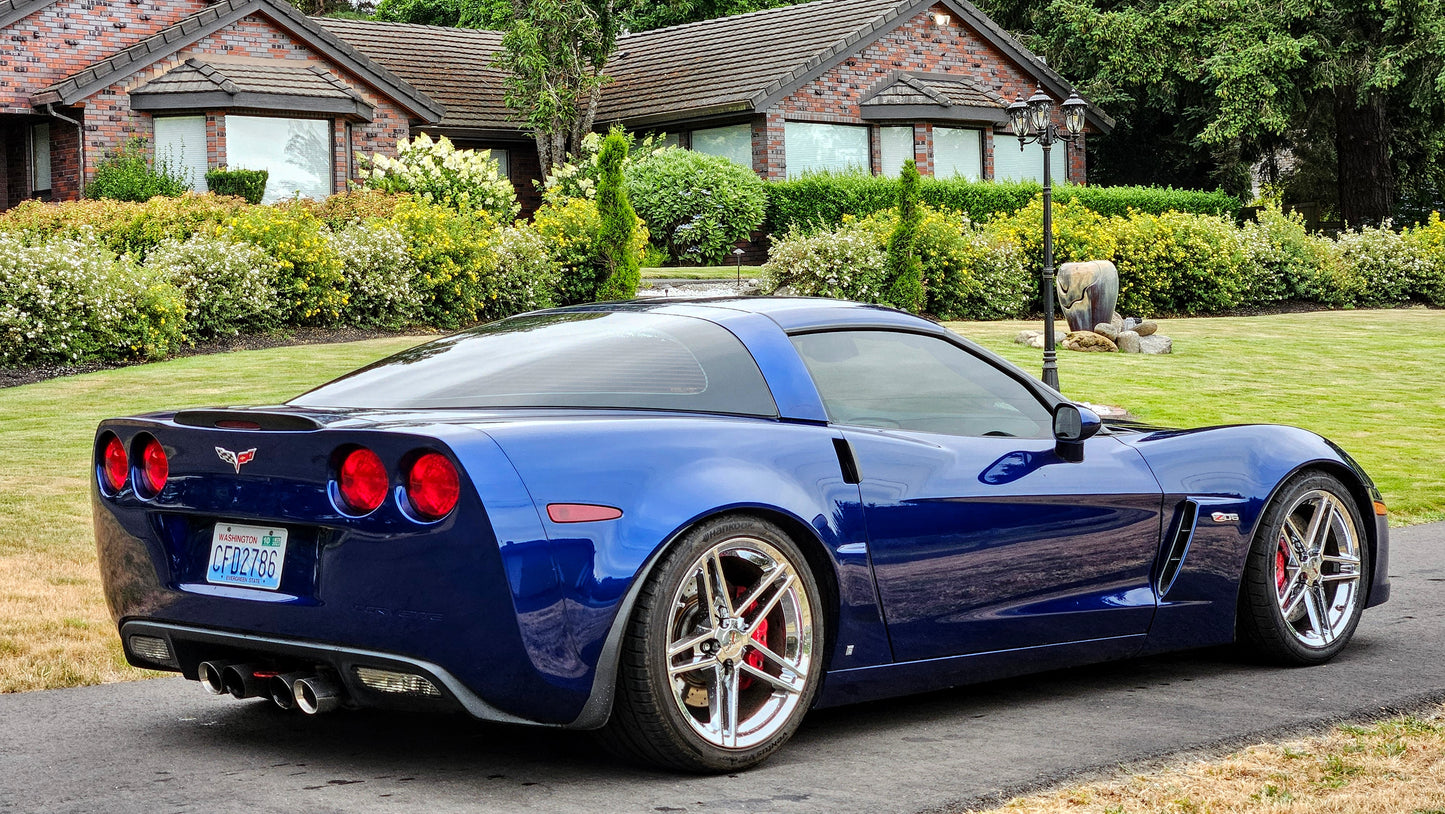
<point x="826" y="85"/>
<point x="249" y="83"/>
<point x="831" y="84"/>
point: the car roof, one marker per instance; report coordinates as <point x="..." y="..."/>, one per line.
<point x="790" y="313"/>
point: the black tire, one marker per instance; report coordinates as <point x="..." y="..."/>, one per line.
<point x="1305" y="583"/>
<point x="667" y="719"/>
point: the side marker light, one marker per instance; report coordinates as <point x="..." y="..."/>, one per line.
<point x="581" y="512"/>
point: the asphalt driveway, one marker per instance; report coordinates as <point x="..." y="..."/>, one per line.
<point x="163" y="746"/>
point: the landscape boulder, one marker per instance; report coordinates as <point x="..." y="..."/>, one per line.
<point x="1088" y="341"/>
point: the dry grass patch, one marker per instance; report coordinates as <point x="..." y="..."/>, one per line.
<point x="1394" y="766"/>
<point x="55" y="630"/>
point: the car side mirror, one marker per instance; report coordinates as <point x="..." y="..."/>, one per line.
<point x="1072" y="426"/>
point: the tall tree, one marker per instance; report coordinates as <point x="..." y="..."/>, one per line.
<point x="1223" y="83"/>
<point x="647" y="16"/>
<point x="554" y="53"/>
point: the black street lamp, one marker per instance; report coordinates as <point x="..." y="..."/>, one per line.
<point x="1034" y="121"/>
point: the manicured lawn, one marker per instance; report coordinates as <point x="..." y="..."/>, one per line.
<point x="1368" y="379"/>
<point x="54" y="627"/>
<point x="700" y="273"/>
<point x="1371" y="381"/>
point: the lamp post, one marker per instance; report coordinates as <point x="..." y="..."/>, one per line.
<point x="1034" y="121"/>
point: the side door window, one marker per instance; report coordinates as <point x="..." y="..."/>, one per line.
<point x="896" y="380"/>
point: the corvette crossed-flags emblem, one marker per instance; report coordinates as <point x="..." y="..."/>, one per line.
<point x="236" y="459"/>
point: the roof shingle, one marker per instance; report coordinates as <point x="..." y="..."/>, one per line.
<point x="451" y="65"/>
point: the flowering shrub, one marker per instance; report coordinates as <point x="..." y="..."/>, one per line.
<point x="847" y="263"/>
<point x="350" y="206"/>
<point x="124" y="226"/>
<point x="696" y="206"/>
<point x="1079" y="233"/>
<point x="578" y="178"/>
<point x="308" y="272"/>
<point x="379" y="273"/>
<point x="1429" y="238"/>
<point x="228" y="288"/>
<point x="64" y="299"/>
<point x="571" y="231"/>
<point x="455" y="261"/>
<point x="1382" y="266"/>
<point x="437" y="172"/>
<point x="1284" y="260"/>
<point x="1178" y="263"/>
<point x="527" y="276"/>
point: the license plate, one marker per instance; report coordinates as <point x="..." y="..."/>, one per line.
<point x="248" y="556"/>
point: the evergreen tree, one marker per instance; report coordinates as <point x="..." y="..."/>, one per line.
<point x="904" y="272"/>
<point x="617" y="257"/>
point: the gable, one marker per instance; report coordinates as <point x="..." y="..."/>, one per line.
<point x="218" y="17"/>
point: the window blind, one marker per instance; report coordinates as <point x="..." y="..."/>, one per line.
<point x="181" y="144"/>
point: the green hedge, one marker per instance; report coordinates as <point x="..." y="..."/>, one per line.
<point x="242" y="183"/>
<point x="821" y="200"/>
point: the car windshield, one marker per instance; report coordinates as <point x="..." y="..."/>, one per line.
<point x="610" y="360"/>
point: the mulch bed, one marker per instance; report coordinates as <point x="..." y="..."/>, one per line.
<point x="16" y="376"/>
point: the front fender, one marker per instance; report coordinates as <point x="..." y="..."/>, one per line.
<point x="1235" y="471"/>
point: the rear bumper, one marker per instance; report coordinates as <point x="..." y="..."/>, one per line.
<point x="189" y="646"/>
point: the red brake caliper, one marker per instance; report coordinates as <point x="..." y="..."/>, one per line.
<point x="753" y="658"/>
<point x="1279" y="566"/>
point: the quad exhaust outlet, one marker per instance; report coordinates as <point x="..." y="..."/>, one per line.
<point x="312" y="694"/>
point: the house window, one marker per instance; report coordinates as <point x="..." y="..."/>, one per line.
<point x="674" y="140"/>
<point x="957" y="153"/>
<point x="296" y="152"/>
<point x="734" y="142"/>
<point x="502" y="158"/>
<point x="897" y="147"/>
<point x="40" y="157"/>
<point x="180" y="143"/>
<point x="1011" y="164"/>
<point x="811" y="147"/>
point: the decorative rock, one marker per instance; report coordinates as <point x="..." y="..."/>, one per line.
<point x="1024" y="337"/>
<point x="1106" y="330"/>
<point x="1147" y="327"/>
<point x="1036" y="341"/>
<point x="1117" y="321"/>
<point x="1130" y="323"/>
<point x="1128" y="342"/>
<point x="1088" y="341"/>
<point x="1156" y="343"/>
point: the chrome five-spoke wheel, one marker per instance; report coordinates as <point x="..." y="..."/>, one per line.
<point x="724" y="650"/>
<point x="1307" y="575"/>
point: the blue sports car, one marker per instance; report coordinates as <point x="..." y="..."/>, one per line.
<point x="686" y="523"/>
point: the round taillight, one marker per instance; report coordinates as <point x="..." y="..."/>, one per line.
<point x="432" y="486"/>
<point x="154" y="466"/>
<point x="362" y="481"/>
<point x="114" y="464"/>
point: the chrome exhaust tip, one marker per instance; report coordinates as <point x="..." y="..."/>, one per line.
<point x="280" y="688"/>
<point x="315" y="695"/>
<point x="211" y="676"/>
<point x="241" y="682"/>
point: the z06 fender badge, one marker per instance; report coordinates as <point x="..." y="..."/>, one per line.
<point x="236" y="459"/>
<point x="1224" y="517"/>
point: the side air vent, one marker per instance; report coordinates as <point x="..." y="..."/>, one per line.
<point x="1178" y="545"/>
<point x="246" y="420"/>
